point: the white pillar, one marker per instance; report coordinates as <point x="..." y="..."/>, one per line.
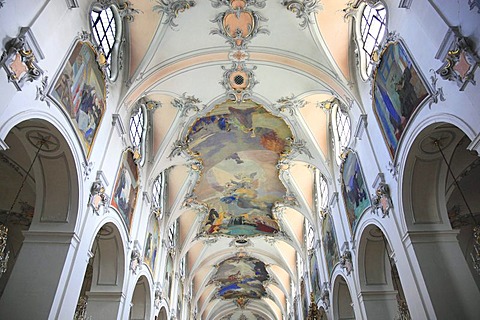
<point x="104" y="305"/>
<point x="449" y="283"/>
<point x="38" y="276"/>
<point x="379" y="305"/>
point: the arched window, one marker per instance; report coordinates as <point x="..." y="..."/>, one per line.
<point x="372" y="30"/>
<point x="341" y="129"/>
<point x="172" y="231"/>
<point x="107" y="32"/>
<point x="310" y="235"/>
<point x="321" y="189"/>
<point x="138" y="126"/>
<point x="158" y="195"/>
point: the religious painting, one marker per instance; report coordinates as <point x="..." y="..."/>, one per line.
<point x="151" y="243"/>
<point x="330" y="245"/>
<point x="80" y="90"/>
<point x="241" y="278"/>
<point x="239" y="146"/>
<point x="398" y="91"/>
<point x="304" y="297"/>
<point x="354" y="189"/>
<point x="125" y="189"/>
<point x="314" y="277"/>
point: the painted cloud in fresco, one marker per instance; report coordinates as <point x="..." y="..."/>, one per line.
<point x="239" y="145"/>
<point x="241" y="277"/>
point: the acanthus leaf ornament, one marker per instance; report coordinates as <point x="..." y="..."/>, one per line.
<point x="302" y="9"/>
<point x="290" y="104"/>
<point x="381" y="199"/>
<point x="171" y="9"/>
<point x="459" y="59"/>
<point x="19" y="59"/>
<point x="186" y="104"/>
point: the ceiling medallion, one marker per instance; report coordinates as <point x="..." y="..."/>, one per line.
<point x="239" y="81"/>
<point x="238" y="24"/>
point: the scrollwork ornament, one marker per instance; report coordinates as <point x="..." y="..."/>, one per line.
<point x="381" y="199"/>
<point x="346" y="261"/>
<point x="98" y="197"/>
<point x="2" y="3"/>
<point x="460" y="62"/>
<point x="302" y="9"/>
<point x="299" y="146"/>
<point x="290" y="104"/>
<point x="127" y="11"/>
<point x="186" y="104"/>
<point x="437" y="94"/>
<point x="135" y="260"/>
<point x="179" y="147"/>
<point x="325" y="296"/>
<point x="171" y="9"/>
<point x="19" y="61"/>
<point x="42" y="91"/>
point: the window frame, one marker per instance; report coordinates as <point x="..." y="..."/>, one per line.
<point x="365" y="66"/>
<point x="142" y="136"/>
<point x="158" y="195"/>
<point x="339" y="145"/>
<point x="114" y="56"/>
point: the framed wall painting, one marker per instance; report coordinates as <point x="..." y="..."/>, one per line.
<point x="398" y="91"/>
<point x="79" y="89"/>
<point x="354" y="189"/>
<point x="315" y="277"/>
<point x="330" y="245"/>
<point x="151" y="243"/>
<point x="125" y="190"/>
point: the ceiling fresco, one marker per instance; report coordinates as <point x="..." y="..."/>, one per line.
<point x="239" y="146"/>
<point x="241" y="278"/>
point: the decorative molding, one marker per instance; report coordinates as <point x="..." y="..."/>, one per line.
<point x="71" y="4"/>
<point x="325" y="296"/>
<point x="346" y="261"/>
<point x="136" y="258"/>
<point x="171" y="9"/>
<point x="127" y="11"/>
<point x="382" y="200"/>
<point x="405" y="4"/>
<point x="239" y="39"/>
<point x="186" y="104"/>
<point x="393" y="169"/>
<point x="179" y="147"/>
<point x="437" y="93"/>
<point x="87" y="169"/>
<point x="238" y="81"/>
<point x="473" y="146"/>
<point x="302" y="9"/>
<point x="98" y="197"/>
<point x="19" y="59"/>
<point x="42" y="91"/>
<point x="299" y="146"/>
<point x="158" y="295"/>
<point x="459" y="59"/>
<point x="361" y="126"/>
<point x="290" y="104"/>
<point x="117" y="123"/>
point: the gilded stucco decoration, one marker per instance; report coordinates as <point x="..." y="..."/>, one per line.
<point x="20" y="59"/>
<point x="303" y="9"/>
<point x="459" y="59"/>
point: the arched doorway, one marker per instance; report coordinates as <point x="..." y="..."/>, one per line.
<point x="140" y="305"/>
<point x="101" y="294"/>
<point x="380" y="286"/>
<point x="39" y="185"/>
<point x="162" y="315"/>
<point x="440" y="211"/>
<point x="342" y="300"/>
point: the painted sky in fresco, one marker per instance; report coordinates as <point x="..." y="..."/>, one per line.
<point x="239" y="145"/>
<point x="241" y="277"/>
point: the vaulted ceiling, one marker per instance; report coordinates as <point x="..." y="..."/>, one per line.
<point x="240" y="130"/>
